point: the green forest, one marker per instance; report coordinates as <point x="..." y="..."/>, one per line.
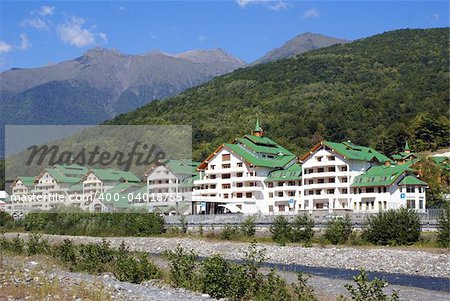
<point x="378" y="91"/>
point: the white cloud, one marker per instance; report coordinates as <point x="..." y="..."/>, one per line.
<point x="202" y="38"/>
<point x="122" y="8"/>
<point x="72" y="32"/>
<point x="153" y="36"/>
<point x="5" y="47"/>
<point x="24" y="42"/>
<point x="103" y="37"/>
<point x="311" y="14"/>
<point x="435" y="17"/>
<point x="46" y="10"/>
<point x="272" y="4"/>
<point x="36" y="23"/>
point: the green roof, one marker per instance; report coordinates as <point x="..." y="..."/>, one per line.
<point x="278" y="161"/>
<point x="27" y="181"/>
<point x="442" y="162"/>
<point x="61" y="178"/>
<point x="189" y="182"/>
<point x="114" y="175"/>
<point x="412" y="180"/>
<point x="76" y="187"/>
<point x="381" y="175"/>
<point x="294" y="172"/>
<point x="257" y="126"/>
<point x="184" y="167"/>
<point x="72" y="170"/>
<point x="356" y="152"/>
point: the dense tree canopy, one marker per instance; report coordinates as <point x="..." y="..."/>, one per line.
<point x="376" y="91"/>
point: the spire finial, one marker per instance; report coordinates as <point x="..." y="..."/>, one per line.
<point x="407" y="149"/>
<point x="258" y="131"/>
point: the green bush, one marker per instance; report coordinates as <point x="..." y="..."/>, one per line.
<point x="281" y="230"/>
<point x="128" y="268"/>
<point x="94" y="257"/>
<point x="369" y="290"/>
<point x="248" y="227"/>
<point x="215" y="277"/>
<point x="95" y="224"/>
<point x="183" y="268"/>
<point x="5" y="218"/>
<point x="338" y="230"/>
<point x="184" y="224"/>
<point x="37" y="245"/>
<point x="229" y="232"/>
<point x="443" y="235"/>
<point x="66" y="252"/>
<point x="302" y="229"/>
<point x="400" y="227"/>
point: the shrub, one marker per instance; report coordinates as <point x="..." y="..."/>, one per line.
<point x="184" y="224"/>
<point x="229" y="232"/>
<point x="5" y="218"/>
<point x="281" y="230"/>
<point x="37" y="245"/>
<point x="443" y="235"/>
<point x="248" y="227"/>
<point x="66" y="252"/>
<point x="302" y="229"/>
<point x="182" y="267"/>
<point x="16" y="245"/>
<point x="128" y="268"/>
<point x="401" y="227"/>
<point x="338" y="230"/>
<point x="369" y="290"/>
<point x="93" y="258"/>
<point x="302" y="291"/>
<point x="215" y="277"/>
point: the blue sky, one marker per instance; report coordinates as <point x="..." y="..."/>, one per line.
<point x="37" y="33"/>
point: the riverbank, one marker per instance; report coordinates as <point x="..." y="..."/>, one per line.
<point x="387" y="260"/>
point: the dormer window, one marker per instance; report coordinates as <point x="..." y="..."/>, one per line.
<point x="319" y="158"/>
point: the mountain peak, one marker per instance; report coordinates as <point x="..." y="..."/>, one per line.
<point x="301" y="43"/>
<point x="99" y="51"/>
<point x="209" y="55"/>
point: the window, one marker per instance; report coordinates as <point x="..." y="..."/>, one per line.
<point x="239" y="195"/>
<point x="344" y="191"/>
<point x="226" y="176"/>
<point x="225" y="195"/>
<point x="239" y="175"/>
<point x="291" y="183"/>
<point x="212" y="176"/>
<point x="281" y="208"/>
<point x="320" y="181"/>
<point x="330" y="191"/>
<point x="331" y="169"/>
<point x="331" y="158"/>
<point x="384" y="189"/>
<point x="410" y="189"/>
<point x="310" y="182"/>
<point x="411" y="203"/>
<point x="310" y="192"/>
<point x="226" y="157"/>
<point x="270" y="194"/>
<point x="318" y="191"/>
<point x="212" y="186"/>
<point x="228" y="165"/>
<point x="343" y="168"/>
<point x="344" y="180"/>
<point x="239" y="164"/>
<point x="270" y="184"/>
<point x="270" y="208"/>
<point x="248" y="195"/>
<point x="226" y="186"/>
<point x="291" y="193"/>
<point x="280" y="193"/>
<point x="310" y="170"/>
<point x="239" y="184"/>
<point x="252" y="184"/>
<point x="212" y="166"/>
<point x="319" y="158"/>
<point x="331" y="180"/>
<point x="369" y="189"/>
<point x="280" y="183"/>
<point x="320" y="169"/>
<point x="319" y="206"/>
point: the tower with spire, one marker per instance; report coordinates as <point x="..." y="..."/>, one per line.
<point x="258" y="131"/>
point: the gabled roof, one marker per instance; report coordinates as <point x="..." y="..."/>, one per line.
<point x="412" y="180"/>
<point x="27" y="181"/>
<point x="278" y="162"/>
<point x="114" y="175"/>
<point x="59" y="177"/>
<point x="442" y="162"/>
<point x="71" y="169"/>
<point x="350" y="151"/>
<point x="293" y="173"/>
<point x="404" y="155"/>
<point x="381" y="175"/>
<point x="182" y="167"/>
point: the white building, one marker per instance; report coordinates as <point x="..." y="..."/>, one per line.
<point x="351" y="177"/>
<point x="233" y="177"/>
<point x="97" y="180"/>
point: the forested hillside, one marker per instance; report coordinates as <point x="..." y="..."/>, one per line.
<point x="377" y="91"/>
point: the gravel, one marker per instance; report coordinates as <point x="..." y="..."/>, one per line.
<point x="413" y="262"/>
